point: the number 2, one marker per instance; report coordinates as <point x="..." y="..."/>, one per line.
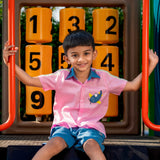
<point x="109" y="30"/>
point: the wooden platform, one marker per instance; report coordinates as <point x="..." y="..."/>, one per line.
<point x="18" y="147"/>
<point x="33" y="140"/>
<point x="7" y="140"/>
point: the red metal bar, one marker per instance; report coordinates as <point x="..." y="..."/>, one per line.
<point x="145" y="64"/>
<point x="11" y="66"/>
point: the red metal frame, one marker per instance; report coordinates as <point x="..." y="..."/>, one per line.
<point x="145" y="64"/>
<point x="11" y="66"/>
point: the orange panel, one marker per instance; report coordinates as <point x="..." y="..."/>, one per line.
<point x="38" y="61"/>
<point x="106" y="26"/>
<point x="38" y="25"/>
<point x="38" y="102"/>
<point x="71" y="19"/>
<point x="108" y="59"/>
<point x="112" y="106"/>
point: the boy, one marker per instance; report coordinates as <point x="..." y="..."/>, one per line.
<point x="81" y="98"/>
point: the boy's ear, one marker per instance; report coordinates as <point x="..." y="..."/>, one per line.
<point x="95" y="54"/>
<point x="66" y="59"/>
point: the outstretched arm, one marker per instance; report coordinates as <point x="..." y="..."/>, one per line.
<point x="135" y="84"/>
<point x="20" y="74"/>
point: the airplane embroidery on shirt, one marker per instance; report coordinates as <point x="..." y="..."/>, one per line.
<point x="95" y="98"/>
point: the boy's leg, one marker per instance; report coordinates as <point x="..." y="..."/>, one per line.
<point x="90" y="141"/>
<point x="93" y="150"/>
<point x="53" y="147"/>
<point x="60" y="139"/>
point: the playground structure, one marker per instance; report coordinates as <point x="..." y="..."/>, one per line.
<point x="130" y="124"/>
<point x="131" y="115"/>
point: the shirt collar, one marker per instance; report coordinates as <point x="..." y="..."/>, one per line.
<point x="92" y="74"/>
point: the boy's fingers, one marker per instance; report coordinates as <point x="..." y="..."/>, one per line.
<point x="7" y="48"/>
<point x="6" y="43"/>
<point x="11" y="51"/>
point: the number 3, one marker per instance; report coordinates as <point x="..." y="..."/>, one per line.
<point x="74" y="24"/>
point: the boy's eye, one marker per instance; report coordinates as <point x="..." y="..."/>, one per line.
<point x="74" y="55"/>
<point x="86" y="53"/>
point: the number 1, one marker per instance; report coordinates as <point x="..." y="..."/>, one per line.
<point x="34" y="18"/>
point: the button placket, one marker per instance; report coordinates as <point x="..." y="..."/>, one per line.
<point x="81" y="101"/>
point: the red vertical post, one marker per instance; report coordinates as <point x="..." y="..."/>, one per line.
<point x="11" y="66"/>
<point x="145" y="67"/>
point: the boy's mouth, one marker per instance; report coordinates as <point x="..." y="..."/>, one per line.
<point x="82" y="65"/>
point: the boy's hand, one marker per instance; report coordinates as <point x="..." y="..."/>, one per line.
<point x="135" y="84"/>
<point x="153" y="58"/>
<point x="7" y="52"/>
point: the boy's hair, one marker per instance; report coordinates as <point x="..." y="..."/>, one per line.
<point x="78" y="38"/>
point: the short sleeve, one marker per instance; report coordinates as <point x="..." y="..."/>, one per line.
<point x="115" y="84"/>
<point x="49" y="81"/>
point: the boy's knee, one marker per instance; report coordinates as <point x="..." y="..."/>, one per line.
<point x="59" y="142"/>
<point x="93" y="150"/>
<point x="90" y="143"/>
<point x="62" y="142"/>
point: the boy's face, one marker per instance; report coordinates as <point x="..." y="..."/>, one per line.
<point x="81" y="57"/>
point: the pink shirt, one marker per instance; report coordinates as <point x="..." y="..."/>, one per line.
<point x="81" y="105"/>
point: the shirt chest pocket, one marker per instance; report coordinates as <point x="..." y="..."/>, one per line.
<point x="96" y="96"/>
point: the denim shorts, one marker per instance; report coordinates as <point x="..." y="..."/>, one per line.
<point x="77" y="136"/>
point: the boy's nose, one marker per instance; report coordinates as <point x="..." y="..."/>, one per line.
<point x="80" y="59"/>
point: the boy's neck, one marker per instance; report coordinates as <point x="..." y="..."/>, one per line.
<point x="82" y="76"/>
